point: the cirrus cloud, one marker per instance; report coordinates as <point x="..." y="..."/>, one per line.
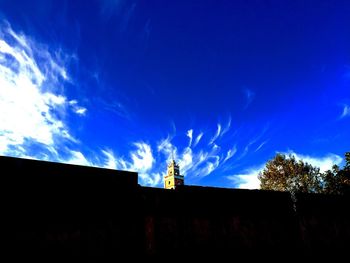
<point x="346" y="111"/>
<point x="33" y="107"/>
<point x="34" y="110"/>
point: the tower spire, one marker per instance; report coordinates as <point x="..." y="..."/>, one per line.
<point x="173" y="178"/>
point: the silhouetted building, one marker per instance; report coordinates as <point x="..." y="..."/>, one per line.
<point x="173" y="177"/>
<point x="54" y="209"/>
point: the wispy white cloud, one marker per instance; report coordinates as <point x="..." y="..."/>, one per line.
<point x="81" y="111"/>
<point x="255" y="139"/>
<point x="198" y="138"/>
<point x="116" y="107"/>
<point x="151" y="179"/>
<point x="186" y="159"/>
<point x="230" y="153"/>
<point x="20" y="38"/>
<point x="260" y="146"/>
<point x="111" y="161"/>
<point x="216" y="154"/>
<point x="227" y="127"/>
<point x="248" y="179"/>
<point x="76" y="108"/>
<point x="247" y="147"/>
<point x="190" y="135"/>
<point x="78" y="158"/>
<point x="217" y="134"/>
<point x="32" y="108"/>
<point x="210" y="164"/>
<point x="346" y="111"/>
<point x="194" y="162"/>
<point x="142" y="157"/>
<point x="140" y="160"/>
<point x="249" y="95"/>
<point x="324" y="163"/>
<point x="165" y="146"/>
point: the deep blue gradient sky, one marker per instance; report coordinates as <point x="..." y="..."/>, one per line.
<point x="225" y="85"/>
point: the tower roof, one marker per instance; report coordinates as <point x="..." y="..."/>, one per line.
<point x="173" y="163"/>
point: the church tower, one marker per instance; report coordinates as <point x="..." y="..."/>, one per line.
<point x="173" y="177"/>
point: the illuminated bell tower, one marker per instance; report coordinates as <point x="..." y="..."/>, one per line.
<point x="173" y="177"/>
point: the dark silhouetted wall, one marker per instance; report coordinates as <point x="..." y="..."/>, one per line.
<point x="57" y="209"/>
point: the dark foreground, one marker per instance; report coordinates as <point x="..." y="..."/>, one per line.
<point x="60" y="210"/>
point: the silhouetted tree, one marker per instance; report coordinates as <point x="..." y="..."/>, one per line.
<point x="347" y="162"/>
<point x="284" y="173"/>
<point x="332" y="182"/>
<point x="337" y="181"/>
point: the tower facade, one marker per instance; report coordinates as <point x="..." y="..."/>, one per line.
<point x="173" y="177"/>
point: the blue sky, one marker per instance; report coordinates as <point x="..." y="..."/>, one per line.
<point x="225" y="85"/>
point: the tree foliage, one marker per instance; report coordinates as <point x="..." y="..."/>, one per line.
<point x="285" y="173"/>
<point x="337" y="181"/>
